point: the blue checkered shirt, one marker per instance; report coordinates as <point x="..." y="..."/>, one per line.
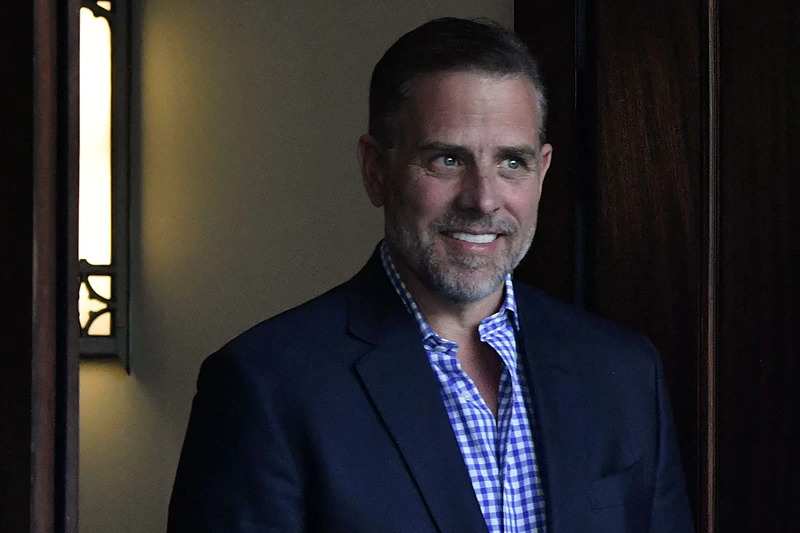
<point x="498" y="453"/>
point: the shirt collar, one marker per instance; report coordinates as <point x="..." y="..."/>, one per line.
<point x="508" y="308"/>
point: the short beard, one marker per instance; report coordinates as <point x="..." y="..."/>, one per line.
<point x="436" y="273"/>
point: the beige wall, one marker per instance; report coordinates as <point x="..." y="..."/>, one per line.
<point x="246" y="201"/>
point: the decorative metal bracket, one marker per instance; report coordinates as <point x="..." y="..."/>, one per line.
<point x="88" y="270"/>
<point x="115" y="342"/>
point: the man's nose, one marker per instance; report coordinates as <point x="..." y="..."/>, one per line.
<point x="479" y="190"/>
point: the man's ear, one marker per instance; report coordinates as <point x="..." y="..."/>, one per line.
<point x="546" y="159"/>
<point x="373" y="171"/>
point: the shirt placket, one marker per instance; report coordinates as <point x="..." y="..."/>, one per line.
<point x="466" y="396"/>
<point x="501" y="491"/>
<point x="505" y="414"/>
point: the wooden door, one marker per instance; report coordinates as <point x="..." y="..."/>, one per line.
<point x="672" y="207"/>
<point x="38" y="276"/>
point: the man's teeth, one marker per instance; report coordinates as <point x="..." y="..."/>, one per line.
<point x="482" y="238"/>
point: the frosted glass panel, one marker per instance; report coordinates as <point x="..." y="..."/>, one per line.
<point x="94" y="236"/>
<point x="94" y="225"/>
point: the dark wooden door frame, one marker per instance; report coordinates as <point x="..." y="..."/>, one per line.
<point x="672" y="207"/>
<point x="575" y="253"/>
<point x="38" y="276"/>
<point x="575" y="247"/>
<point x="594" y="71"/>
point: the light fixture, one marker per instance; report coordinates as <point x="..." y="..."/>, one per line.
<point x="104" y="176"/>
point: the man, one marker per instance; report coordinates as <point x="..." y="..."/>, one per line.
<point x="430" y="392"/>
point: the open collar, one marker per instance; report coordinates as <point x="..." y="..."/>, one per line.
<point x="400" y="383"/>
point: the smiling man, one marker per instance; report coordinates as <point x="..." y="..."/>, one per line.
<point x="431" y="392"/>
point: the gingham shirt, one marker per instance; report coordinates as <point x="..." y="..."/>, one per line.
<point x="498" y="453"/>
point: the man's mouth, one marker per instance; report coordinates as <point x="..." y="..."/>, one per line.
<point x="475" y="238"/>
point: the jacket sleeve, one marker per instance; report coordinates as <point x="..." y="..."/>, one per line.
<point x="236" y="472"/>
<point x="670" y="510"/>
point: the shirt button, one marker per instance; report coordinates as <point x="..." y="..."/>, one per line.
<point x="439" y="348"/>
<point x="466" y="396"/>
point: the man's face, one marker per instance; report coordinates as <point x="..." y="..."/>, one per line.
<point x="461" y="185"/>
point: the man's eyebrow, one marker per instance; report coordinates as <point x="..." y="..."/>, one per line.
<point x="518" y="151"/>
<point x="437" y="146"/>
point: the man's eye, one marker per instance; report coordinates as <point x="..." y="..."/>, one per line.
<point x="448" y="161"/>
<point x="514" y="164"/>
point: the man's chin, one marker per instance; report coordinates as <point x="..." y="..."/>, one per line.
<point x="460" y="287"/>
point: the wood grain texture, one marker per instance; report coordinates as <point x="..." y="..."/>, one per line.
<point x="34" y="319"/>
<point x="67" y="371"/>
<point x="693" y="140"/>
<point x="709" y="342"/>
<point x="759" y="340"/>
<point x="16" y="230"/>
<point x="548" y="29"/>
<point x="650" y="186"/>
<point x="627" y="98"/>
<point x="44" y="270"/>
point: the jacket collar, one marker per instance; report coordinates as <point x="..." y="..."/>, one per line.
<point x="403" y="388"/>
<point x="561" y="427"/>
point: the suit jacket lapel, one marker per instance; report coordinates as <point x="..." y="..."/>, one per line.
<point x="404" y="390"/>
<point x="559" y="417"/>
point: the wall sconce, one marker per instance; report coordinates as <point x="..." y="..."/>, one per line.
<point x="104" y="179"/>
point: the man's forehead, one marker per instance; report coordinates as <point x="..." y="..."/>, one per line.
<point x="460" y="102"/>
<point x="433" y="81"/>
<point x="462" y="91"/>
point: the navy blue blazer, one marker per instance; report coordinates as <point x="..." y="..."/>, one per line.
<point x="328" y="418"/>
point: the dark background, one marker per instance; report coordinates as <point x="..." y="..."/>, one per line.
<point x="672" y="207"/>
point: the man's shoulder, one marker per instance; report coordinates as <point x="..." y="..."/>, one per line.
<point x="593" y="339"/>
<point x="313" y="321"/>
<point x="305" y="335"/>
<point x="313" y="338"/>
